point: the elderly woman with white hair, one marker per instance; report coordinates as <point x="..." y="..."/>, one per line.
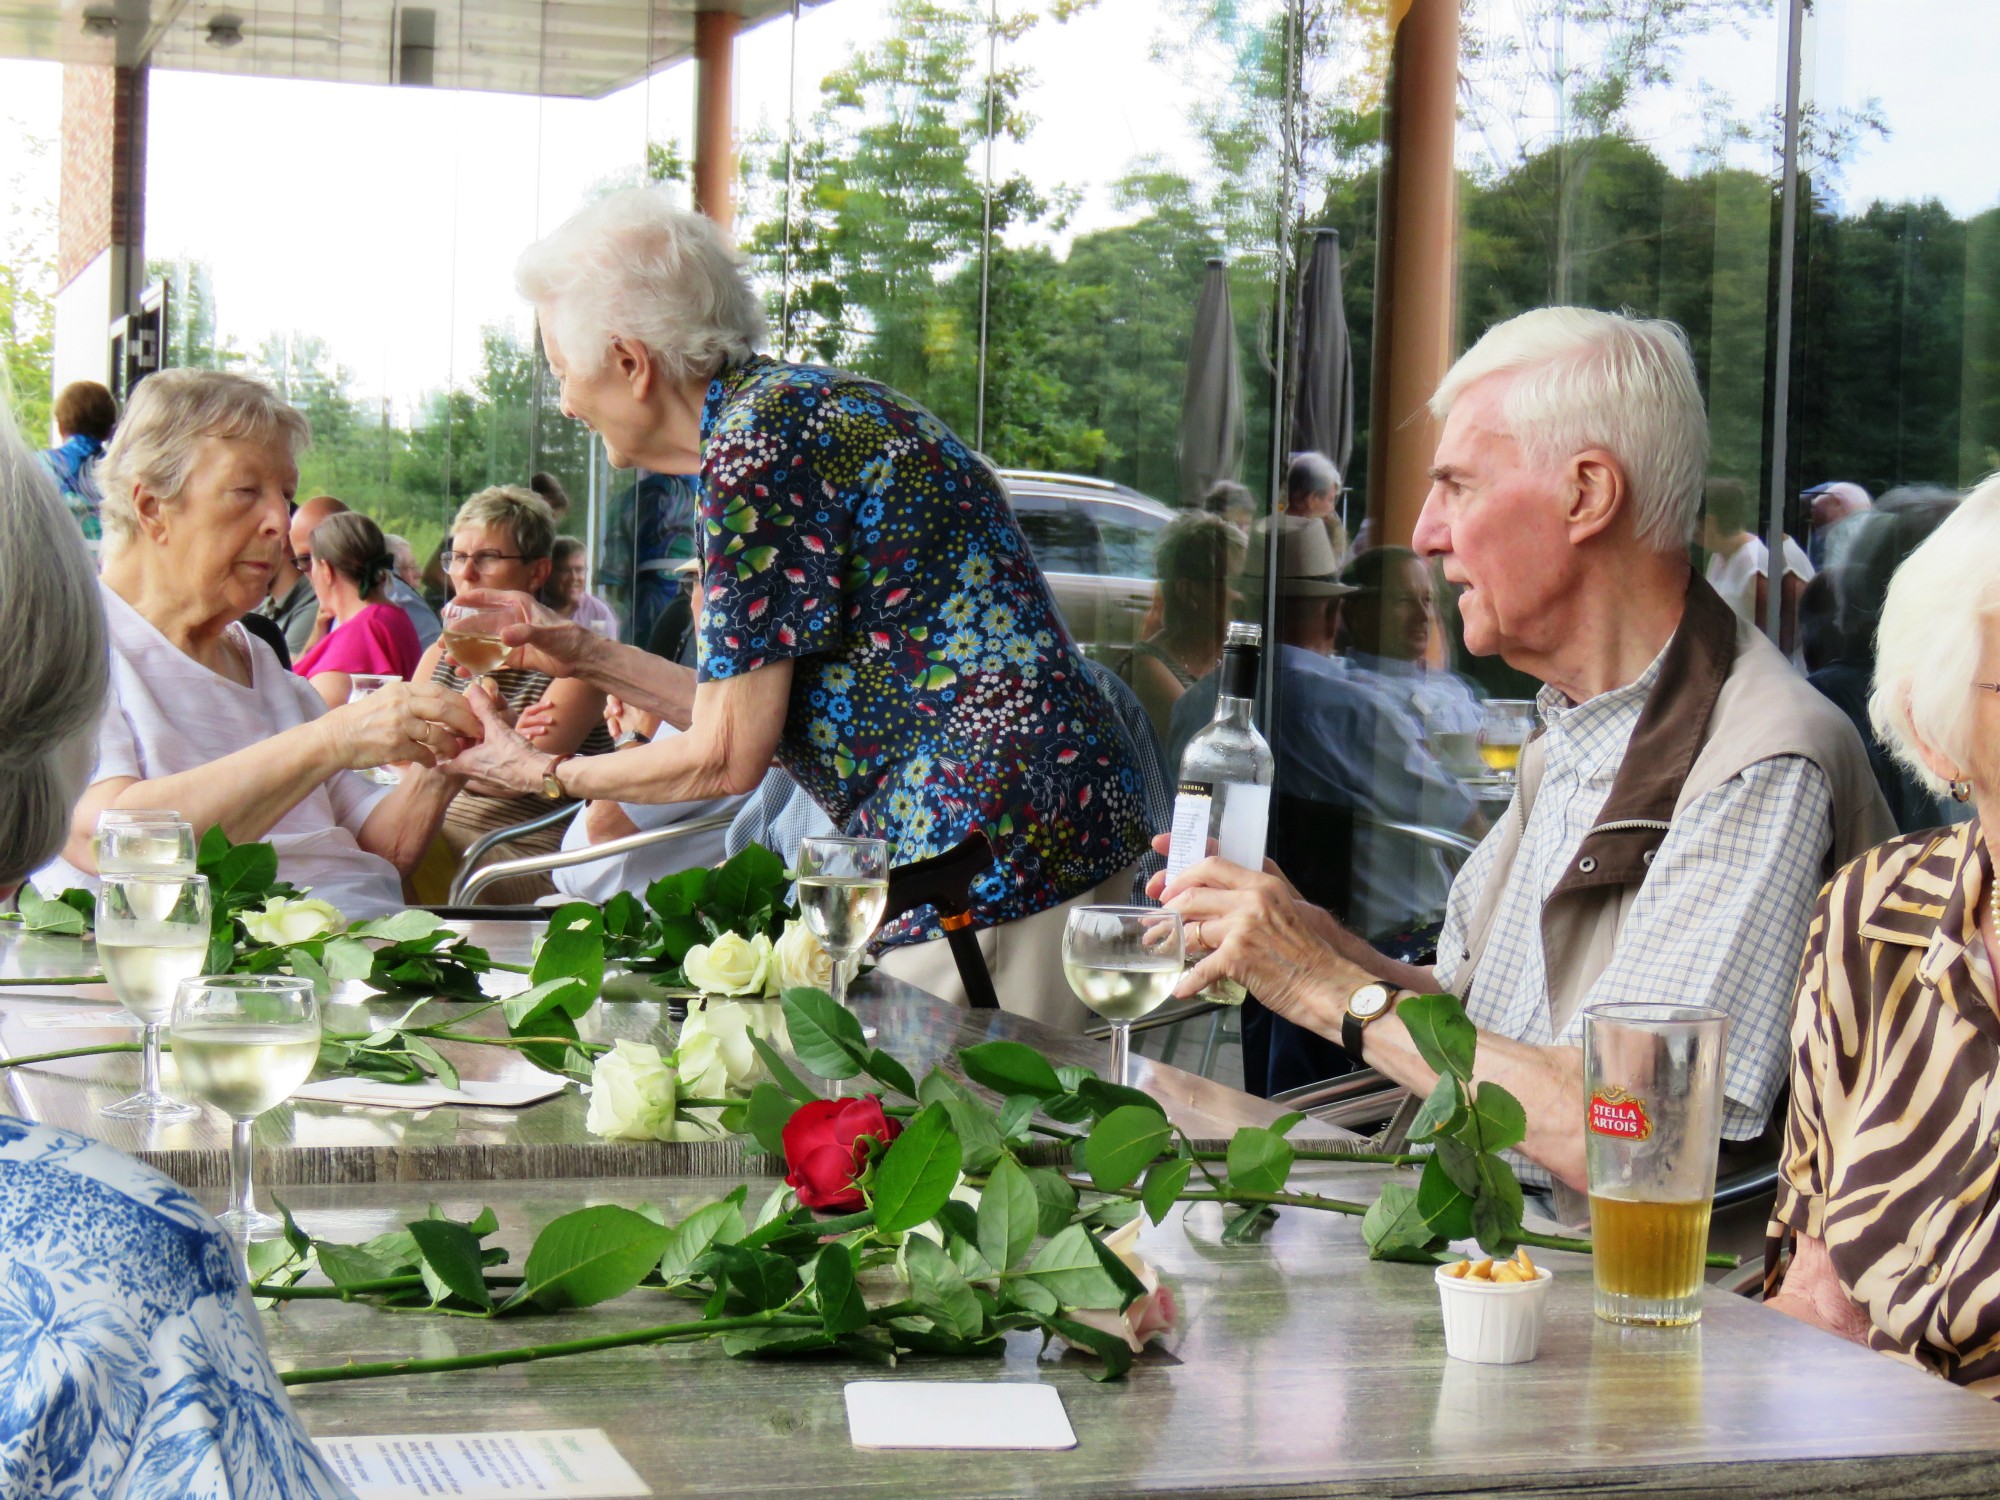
<point x="872" y="616"/>
<point x="201" y="717"/>
<point x="1887" y="1224"/>
<point x="131" y="1354"/>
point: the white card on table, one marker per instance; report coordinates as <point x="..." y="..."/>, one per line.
<point x="956" y="1414"/>
<point x="380" y="1094"/>
<point x="578" y="1464"/>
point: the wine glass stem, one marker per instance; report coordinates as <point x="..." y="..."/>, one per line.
<point x="150" y="1067"/>
<point x="1121" y="1048"/>
<point x="242" y="1166"/>
<point x="840" y="963"/>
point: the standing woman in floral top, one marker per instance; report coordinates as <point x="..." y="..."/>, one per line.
<point x="871" y="615"/>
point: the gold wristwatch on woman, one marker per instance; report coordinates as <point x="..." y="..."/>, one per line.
<point x="551" y="787"/>
<point x="1369" y="1003"/>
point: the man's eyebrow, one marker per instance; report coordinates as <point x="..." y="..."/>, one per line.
<point x="1445" y="474"/>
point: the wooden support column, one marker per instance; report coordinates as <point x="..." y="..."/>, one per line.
<point x="714" y="141"/>
<point x="1417" y="264"/>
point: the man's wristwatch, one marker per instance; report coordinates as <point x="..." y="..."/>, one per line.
<point x="1369" y="1003"/>
<point x="551" y="787"/>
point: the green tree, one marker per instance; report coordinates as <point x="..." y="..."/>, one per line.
<point x="27" y="297"/>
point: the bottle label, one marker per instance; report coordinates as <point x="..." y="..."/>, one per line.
<point x="1246" y="818"/>
<point x="1189" y="843"/>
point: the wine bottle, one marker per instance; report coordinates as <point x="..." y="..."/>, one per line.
<point x="1225" y="783"/>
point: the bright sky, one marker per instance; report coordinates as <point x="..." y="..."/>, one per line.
<point x="387" y="220"/>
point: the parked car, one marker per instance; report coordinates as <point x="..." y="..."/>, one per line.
<point x="1094" y="540"/>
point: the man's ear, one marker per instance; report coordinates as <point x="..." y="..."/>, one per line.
<point x="635" y="365"/>
<point x="1597" y="494"/>
<point x="538" y="574"/>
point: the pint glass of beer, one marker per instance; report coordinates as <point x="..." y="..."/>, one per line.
<point x="1653" y="1122"/>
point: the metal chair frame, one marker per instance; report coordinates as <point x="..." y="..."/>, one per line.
<point x="469" y="882"/>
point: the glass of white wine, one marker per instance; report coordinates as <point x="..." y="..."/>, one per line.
<point x="143" y="841"/>
<point x="152" y="932"/>
<point x="1123" y="962"/>
<point x="360" y="685"/>
<point x="843" y="886"/>
<point x="1505" y="725"/>
<point x="472" y="637"/>
<point x="243" y="1043"/>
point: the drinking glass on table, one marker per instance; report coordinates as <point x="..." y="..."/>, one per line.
<point x="843" y="886"/>
<point x="143" y="841"/>
<point x="152" y="932"/>
<point x="1652" y="1125"/>
<point x="471" y="636"/>
<point x="361" y="684"/>
<point x="243" y="1043"/>
<point x="1504" y="727"/>
<point x="1123" y="962"/>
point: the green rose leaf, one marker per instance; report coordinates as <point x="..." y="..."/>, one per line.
<point x="891" y="1074"/>
<point x="746" y="881"/>
<point x="975" y="1123"/>
<point x="1394" y="1227"/>
<point x="1115" y="1353"/>
<point x="718" y="1223"/>
<point x="43" y="914"/>
<point x="573" y="948"/>
<point x="1055" y="1195"/>
<point x="1165" y="1181"/>
<point x="1104" y="1097"/>
<point x="1248" y="1227"/>
<point x="1010" y="1068"/>
<point x="451" y="1261"/>
<point x="940" y="1290"/>
<point x="1009" y="1215"/>
<point x="590" y="1256"/>
<point x="1123" y="1144"/>
<point x="762" y="1277"/>
<point x="826" y="1037"/>
<point x="915" y="1176"/>
<point x="1015" y="1113"/>
<point x="767" y="1114"/>
<point x="1498" y="1117"/>
<point x="842" y="1308"/>
<point x="1033" y="1297"/>
<point x="345" y="1265"/>
<point x="1445" y="1207"/>
<point x="1444" y="1036"/>
<point x="398" y="927"/>
<point x="1070" y="1267"/>
<point x="441" y="1065"/>
<point x="346" y="958"/>
<point x="781" y="1071"/>
<point x="1442" y="1113"/>
<point x="1259" y="1160"/>
<point x="526" y="1011"/>
<point x="1285" y="1124"/>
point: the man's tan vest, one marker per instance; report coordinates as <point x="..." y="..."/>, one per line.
<point x="1725" y="699"/>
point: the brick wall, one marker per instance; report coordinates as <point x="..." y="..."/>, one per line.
<point x="103" y="196"/>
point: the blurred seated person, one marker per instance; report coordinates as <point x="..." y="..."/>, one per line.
<point x="552" y="493"/>
<point x="350" y="566"/>
<point x="201" y="718"/>
<point x="1233" y="502"/>
<point x="435" y="584"/>
<point x="1889" y="1193"/>
<point x="404" y="556"/>
<point x="1313" y="488"/>
<point x="290" y="603"/>
<point x="1882" y="538"/>
<point x="601" y="821"/>
<point x="568" y="590"/>
<point x="1835" y="508"/>
<point x="1195" y="559"/>
<point x="673" y="637"/>
<point x="504" y="538"/>
<point x="1390" y="625"/>
<point x="305" y="521"/>
<point x="1342" y="742"/>
<point x="132" y="1356"/>
<point x="1687" y="796"/>
<point x="86" y="414"/>
<point x="1739" y="562"/>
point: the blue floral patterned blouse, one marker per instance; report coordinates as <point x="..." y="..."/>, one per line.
<point x="132" y="1366"/>
<point x="936" y="688"/>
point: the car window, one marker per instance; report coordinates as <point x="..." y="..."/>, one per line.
<point x="1127" y="537"/>
<point x="1065" y="541"/>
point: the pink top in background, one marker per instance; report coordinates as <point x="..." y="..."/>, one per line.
<point x="380" y="639"/>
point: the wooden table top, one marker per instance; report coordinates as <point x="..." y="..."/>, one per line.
<point x="309" y="1142"/>
<point x="1300" y="1369"/>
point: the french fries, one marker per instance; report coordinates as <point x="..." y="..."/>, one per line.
<point x="1515" y="1269"/>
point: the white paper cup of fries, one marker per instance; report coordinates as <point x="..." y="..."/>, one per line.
<point x="1489" y="1321"/>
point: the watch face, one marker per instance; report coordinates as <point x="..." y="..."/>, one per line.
<point x="1370" y="1000"/>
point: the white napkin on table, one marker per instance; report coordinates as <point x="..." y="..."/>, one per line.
<point x="483" y="1093"/>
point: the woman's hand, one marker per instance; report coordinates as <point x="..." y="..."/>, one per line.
<point x="543" y="641"/>
<point x="502" y="759"/>
<point x="401" y="722"/>
<point x="623" y="718"/>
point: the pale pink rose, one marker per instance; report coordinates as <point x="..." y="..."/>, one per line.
<point x="1150" y="1316"/>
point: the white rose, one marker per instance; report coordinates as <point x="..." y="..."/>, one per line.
<point x="799" y="962"/>
<point x="632" y="1093"/>
<point x="731" y="965"/>
<point x="283" y="922"/>
<point x="715" y="1059"/>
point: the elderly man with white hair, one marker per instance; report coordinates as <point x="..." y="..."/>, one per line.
<point x="1687" y="793"/>
<point x="1887" y="1224"/>
<point x="130" y="1350"/>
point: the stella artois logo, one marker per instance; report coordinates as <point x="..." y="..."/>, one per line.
<point x="1613" y="1111"/>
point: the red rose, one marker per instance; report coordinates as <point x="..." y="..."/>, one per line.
<point x="824" y="1151"/>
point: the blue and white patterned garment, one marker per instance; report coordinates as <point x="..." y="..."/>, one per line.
<point x="132" y="1365"/>
<point x="1721" y="919"/>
